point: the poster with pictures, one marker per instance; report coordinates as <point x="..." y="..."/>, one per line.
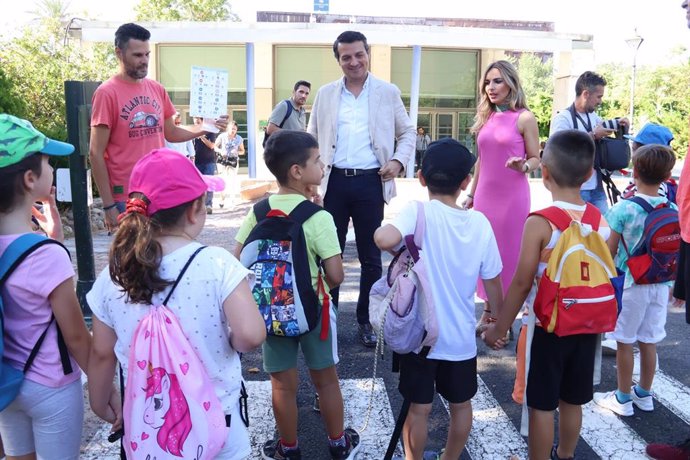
<point x="209" y="92"/>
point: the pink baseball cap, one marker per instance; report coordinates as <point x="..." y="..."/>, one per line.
<point x="168" y="179"/>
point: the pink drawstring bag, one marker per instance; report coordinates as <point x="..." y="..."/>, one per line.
<point x="170" y="406"/>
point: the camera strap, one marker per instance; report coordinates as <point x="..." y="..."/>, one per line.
<point x="576" y="116"/>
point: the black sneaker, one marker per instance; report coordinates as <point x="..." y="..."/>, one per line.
<point x="554" y="454"/>
<point x="273" y="450"/>
<point x="367" y="336"/>
<point x="349" y="450"/>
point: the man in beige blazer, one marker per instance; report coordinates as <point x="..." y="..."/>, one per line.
<point x="365" y="139"/>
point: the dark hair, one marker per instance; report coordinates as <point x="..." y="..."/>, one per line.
<point x="129" y="31"/>
<point x="653" y="163"/>
<point x="349" y="36"/>
<point x="588" y="81"/>
<point x="12" y="180"/>
<point x="569" y="157"/>
<point x="441" y="189"/>
<point x="286" y="148"/>
<point x="135" y="255"/>
<point x="302" y="83"/>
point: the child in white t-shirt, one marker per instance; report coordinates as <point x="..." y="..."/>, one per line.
<point x="463" y="248"/>
<point x="45" y="418"/>
<point x="155" y="238"/>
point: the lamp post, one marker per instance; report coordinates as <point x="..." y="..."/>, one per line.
<point x="634" y="43"/>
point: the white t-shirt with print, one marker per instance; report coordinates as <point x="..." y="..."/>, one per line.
<point x="459" y="248"/>
<point x="198" y="304"/>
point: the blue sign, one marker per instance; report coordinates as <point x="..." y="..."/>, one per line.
<point x="320" y="6"/>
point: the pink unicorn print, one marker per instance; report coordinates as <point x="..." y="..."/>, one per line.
<point x="167" y="411"/>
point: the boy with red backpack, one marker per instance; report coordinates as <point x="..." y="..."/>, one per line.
<point x="645" y="239"/>
<point x="560" y="348"/>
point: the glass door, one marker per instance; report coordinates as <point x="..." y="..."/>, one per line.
<point x="443" y="126"/>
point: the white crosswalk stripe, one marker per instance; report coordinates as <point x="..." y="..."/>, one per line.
<point x="493" y="435"/>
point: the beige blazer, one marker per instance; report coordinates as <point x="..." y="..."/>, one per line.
<point x="388" y="122"/>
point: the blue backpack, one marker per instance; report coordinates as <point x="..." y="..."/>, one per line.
<point x="10" y="378"/>
<point x="655" y="258"/>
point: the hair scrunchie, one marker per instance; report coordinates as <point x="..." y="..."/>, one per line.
<point x="134" y="205"/>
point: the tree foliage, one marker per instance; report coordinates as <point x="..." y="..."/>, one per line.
<point x="536" y="77"/>
<point x="11" y="101"/>
<point x="661" y="96"/>
<point x="185" y="10"/>
<point x="42" y="58"/>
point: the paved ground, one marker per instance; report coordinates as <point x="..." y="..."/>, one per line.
<point x="495" y="432"/>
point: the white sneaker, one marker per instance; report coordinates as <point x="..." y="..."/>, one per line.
<point x="609" y="347"/>
<point x="644" y="403"/>
<point x="609" y="401"/>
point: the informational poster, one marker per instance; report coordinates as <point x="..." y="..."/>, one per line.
<point x="208" y="95"/>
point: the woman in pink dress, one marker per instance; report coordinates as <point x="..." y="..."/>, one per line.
<point x="508" y="149"/>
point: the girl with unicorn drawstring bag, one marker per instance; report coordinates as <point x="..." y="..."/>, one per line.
<point x="174" y="314"/>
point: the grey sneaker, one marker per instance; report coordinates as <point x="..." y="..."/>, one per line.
<point x="350" y="449"/>
<point x="610" y="401"/>
<point x="644" y="403"/>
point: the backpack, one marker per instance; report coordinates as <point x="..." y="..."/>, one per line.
<point x="276" y="251"/>
<point x="287" y="115"/>
<point x="170" y="406"/>
<point x="655" y="258"/>
<point x="401" y="308"/>
<point x="11" y="379"/>
<point x="668" y="189"/>
<point x="580" y="290"/>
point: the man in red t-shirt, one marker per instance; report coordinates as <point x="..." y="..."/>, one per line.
<point x="131" y="115"/>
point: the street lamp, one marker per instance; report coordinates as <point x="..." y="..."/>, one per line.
<point x="634" y="43"/>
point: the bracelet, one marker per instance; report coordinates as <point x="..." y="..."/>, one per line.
<point x="469" y="195"/>
<point x="487" y="311"/>
<point x="526" y="168"/>
<point x="108" y="208"/>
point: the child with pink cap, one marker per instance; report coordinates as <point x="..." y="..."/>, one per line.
<point x="155" y="238"/>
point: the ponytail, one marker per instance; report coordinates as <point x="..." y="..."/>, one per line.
<point x="135" y="255"/>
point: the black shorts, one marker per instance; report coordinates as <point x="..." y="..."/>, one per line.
<point x="420" y="376"/>
<point x="682" y="285"/>
<point x="561" y="368"/>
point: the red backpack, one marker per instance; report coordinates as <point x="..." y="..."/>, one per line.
<point x="655" y="258"/>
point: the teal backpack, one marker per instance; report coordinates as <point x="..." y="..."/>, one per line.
<point x="10" y="378"/>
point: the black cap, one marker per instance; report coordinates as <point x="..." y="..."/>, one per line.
<point x="447" y="163"/>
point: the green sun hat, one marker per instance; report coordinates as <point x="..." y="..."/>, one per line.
<point x="19" y="139"/>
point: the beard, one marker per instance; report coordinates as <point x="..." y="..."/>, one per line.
<point x="137" y="73"/>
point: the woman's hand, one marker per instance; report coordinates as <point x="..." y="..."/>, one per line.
<point x="517" y="164"/>
<point x="468" y="203"/>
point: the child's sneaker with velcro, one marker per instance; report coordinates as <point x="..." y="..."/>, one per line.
<point x="610" y="401"/>
<point x="644" y="403"/>
<point x="350" y="449"/>
<point x="274" y="450"/>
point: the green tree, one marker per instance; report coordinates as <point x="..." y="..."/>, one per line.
<point x="42" y="58"/>
<point x="185" y="10"/>
<point x="536" y="77"/>
<point x="11" y="100"/>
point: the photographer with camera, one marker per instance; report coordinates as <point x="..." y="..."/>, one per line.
<point x="589" y="92"/>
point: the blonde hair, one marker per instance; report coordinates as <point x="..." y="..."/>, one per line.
<point x="516" y="97"/>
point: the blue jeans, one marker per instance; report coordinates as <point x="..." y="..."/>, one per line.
<point x="207" y="169"/>
<point x="597" y="197"/>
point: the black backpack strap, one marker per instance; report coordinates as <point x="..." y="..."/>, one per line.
<point x="571" y="109"/>
<point x="611" y="189"/>
<point x="261" y="209"/>
<point x="62" y="346"/>
<point x="287" y="114"/>
<point x="304" y="211"/>
<point x="644" y="204"/>
<point x="179" y="277"/>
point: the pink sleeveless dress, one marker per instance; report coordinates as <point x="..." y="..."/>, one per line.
<point x="502" y="194"/>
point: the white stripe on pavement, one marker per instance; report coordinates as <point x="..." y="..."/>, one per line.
<point x="667" y="390"/>
<point x="493" y="434"/>
<point x="609" y="436"/>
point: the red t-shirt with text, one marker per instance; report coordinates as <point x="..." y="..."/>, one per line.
<point x="135" y="113"/>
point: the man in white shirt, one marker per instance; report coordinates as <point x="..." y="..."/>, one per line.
<point x="365" y="139"/>
<point x="589" y="92"/>
<point x="186" y="148"/>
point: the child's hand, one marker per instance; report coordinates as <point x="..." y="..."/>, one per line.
<point x="49" y="219"/>
<point x="493" y="338"/>
<point x="114" y="410"/>
<point x="313" y="194"/>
